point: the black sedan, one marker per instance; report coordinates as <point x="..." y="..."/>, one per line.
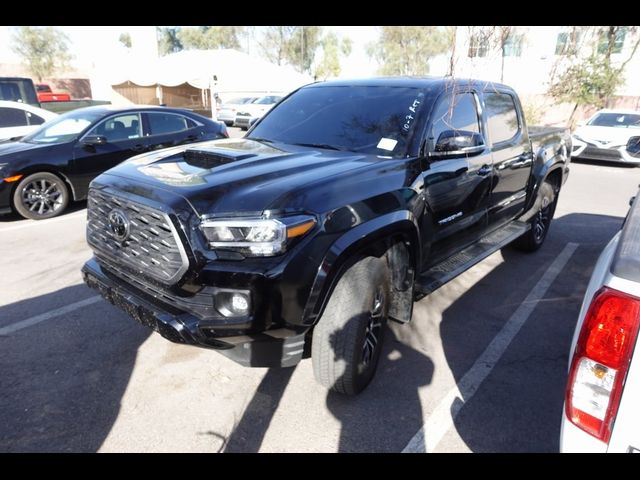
<point x="43" y="171"/>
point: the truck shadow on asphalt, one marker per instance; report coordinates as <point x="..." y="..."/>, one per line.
<point x="519" y="405"/>
<point x="63" y="379"/>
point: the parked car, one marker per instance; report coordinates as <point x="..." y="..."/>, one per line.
<point x="607" y="136"/>
<point x="43" y="171"/>
<point x="228" y="111"/>
<point x="343" y="203"/>
<point x="251" y="112"/>
<point x="45" y="94"/>
<point x="603" y="389"/>
<point x="18" y="119"/>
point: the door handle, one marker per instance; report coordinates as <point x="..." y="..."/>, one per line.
<point x="138" y="148"/>
<point x="191" y="138"/>
<point x="485" y="170"/>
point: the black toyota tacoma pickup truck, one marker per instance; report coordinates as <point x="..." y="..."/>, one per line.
<point x="341" y="206"/>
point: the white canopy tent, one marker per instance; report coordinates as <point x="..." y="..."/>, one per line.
<point x="235" y="72"/>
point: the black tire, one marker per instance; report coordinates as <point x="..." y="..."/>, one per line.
<point x="41" y="195"/>
<point x="347" y="340"/>
<point x="540" y="222"/>
<point x="228" y="124"/>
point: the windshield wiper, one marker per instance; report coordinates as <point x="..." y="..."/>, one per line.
<point x="320" y="145"/>
<point x="257" y="139"/>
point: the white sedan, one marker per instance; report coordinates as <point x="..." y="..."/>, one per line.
<point x="606" y="136"/>
<point x="603" y="389"/>
<point x="18" y="119"/>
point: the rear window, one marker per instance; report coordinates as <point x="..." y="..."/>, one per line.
<point x="502" y="117"/>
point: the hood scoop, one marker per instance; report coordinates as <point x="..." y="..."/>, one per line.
<point x="213" y="157"/>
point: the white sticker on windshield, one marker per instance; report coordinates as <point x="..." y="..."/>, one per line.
<point x="387" y="144"/>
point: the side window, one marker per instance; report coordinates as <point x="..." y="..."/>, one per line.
<point x="12" y="117"/>
<point x="119" y="127"/>
<point x="34" y="119"/>
<point x="502" y="117"/>
<point x="163" y="123"/>
<point x="455" y="113"/>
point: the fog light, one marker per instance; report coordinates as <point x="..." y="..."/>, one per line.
<point x="233" y="303"/>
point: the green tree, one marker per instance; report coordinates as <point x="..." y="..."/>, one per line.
<point x="332" y="49"/>
<point x="125" y="39"/>
<point x="593" y="80"/>
<point x="407" y="50"/>
<point x="168" y="40"/>
<point x="293" y="45"/>
<point x="211" y="37"/>
<point x="44" y="50"/>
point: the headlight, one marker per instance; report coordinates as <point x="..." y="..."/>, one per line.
<point x="256" y="237"/>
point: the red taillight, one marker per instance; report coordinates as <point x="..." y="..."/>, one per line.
<point x="600" y="362"/>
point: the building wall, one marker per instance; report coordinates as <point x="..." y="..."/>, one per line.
<point x="530" y="73"/>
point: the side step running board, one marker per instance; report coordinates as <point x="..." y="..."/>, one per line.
<point x="432" y="279"/>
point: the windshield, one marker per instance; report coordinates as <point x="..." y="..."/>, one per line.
<point x="65" y="128"/>
<point x="625" y="120"/>
<point x="370" y="119"/>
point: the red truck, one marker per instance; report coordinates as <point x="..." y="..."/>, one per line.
<point x="45" y="94"/>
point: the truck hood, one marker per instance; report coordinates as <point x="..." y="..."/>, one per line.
<point x="241" y="175"/>
<point x="606" y="137"/>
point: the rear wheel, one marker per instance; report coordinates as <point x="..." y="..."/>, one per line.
<point x="41" y="195"/>
<point x="347" y="340"/>
<point x="540" y="222"/>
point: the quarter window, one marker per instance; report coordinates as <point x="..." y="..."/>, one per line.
<point x="502" y="117"/>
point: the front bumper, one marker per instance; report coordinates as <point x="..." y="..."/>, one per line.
<point x="590" y="151"/>
<point x="272" y="348"/>
<point x="5" y="197"/>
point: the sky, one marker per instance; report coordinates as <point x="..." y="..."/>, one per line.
<point x="86" y="43"/>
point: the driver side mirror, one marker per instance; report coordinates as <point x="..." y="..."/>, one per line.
<point x="457" y="143"/>
<point x="94" y="140"/>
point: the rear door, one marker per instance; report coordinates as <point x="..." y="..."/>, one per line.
<point x="456" y="189"/>
<point x="167" y="129"/>
<point x="511" y="152"/>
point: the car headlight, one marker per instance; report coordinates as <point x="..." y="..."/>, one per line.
<point x="256" y="237"/>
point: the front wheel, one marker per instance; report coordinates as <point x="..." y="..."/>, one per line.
<point x="540" y="222"/>
<point x="347" y="340"/>
<point x="41" y="195"/>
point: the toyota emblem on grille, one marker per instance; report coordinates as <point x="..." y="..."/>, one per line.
<point x="119" y="224"/>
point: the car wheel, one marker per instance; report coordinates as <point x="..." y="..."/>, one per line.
<point x="228" y="124"/>
<point x="347" y="340"/>
<point x="540" y="222"/>
<point x="41" y="195"/>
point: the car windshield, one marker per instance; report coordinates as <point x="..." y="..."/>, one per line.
<point x="625" y="120"/>
<point x="65" y="128"/>
<point x="370" y="119"/>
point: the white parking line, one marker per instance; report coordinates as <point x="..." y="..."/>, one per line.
<point x="34" y="223"/>
<point x="14" y="327"/>
<point x="443" y="416"/>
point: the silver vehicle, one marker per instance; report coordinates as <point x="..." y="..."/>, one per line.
<point x="603" y="389"/>
<point x="228" y="111"/>
<point x="607" y="136"/>
<point x="251" y="112"/>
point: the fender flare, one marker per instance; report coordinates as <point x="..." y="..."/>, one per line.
<point x="346" y="249"/>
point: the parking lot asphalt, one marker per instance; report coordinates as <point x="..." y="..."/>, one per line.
<point x="481" y="367"/>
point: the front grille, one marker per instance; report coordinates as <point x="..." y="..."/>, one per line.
<point x="152" y="248"/>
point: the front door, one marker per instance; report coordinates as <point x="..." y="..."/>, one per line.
<point x="124" y="139"/>
<point x="456" y="188"/>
